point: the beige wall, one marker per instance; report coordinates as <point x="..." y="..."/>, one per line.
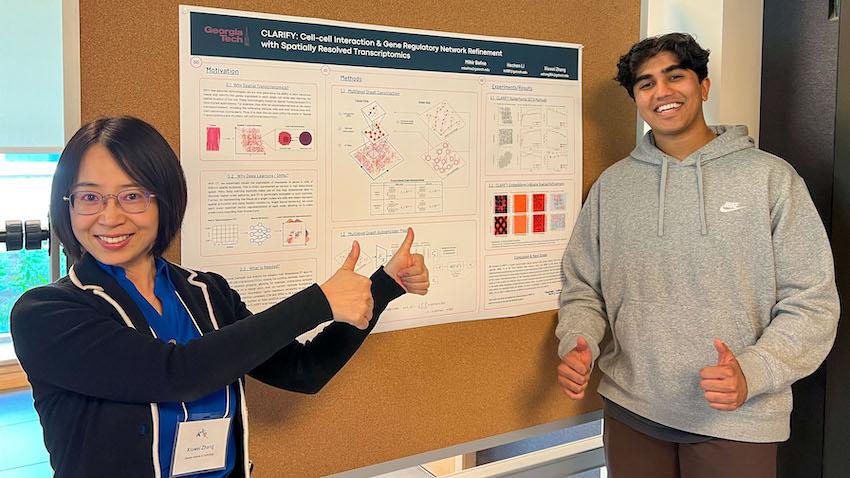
<point x="732" y="30"/>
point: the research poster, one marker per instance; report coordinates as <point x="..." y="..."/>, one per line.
<point x="299" y="136"/>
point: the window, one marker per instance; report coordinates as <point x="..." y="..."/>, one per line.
<point x="39" y="104"/>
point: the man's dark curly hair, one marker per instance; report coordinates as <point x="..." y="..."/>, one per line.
<point x="691" y="56"/>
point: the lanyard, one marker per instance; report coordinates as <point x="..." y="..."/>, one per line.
<point x="226" y="407"/>
<point x="200" y="333"/>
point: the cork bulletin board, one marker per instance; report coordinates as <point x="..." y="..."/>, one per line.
<point x="415" y="390"/>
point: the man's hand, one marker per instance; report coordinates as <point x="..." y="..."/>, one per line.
<point x="574" y="370"/>
<point x="349" y="293"/>
<point x="724" y="384"/>
<point x="408" y="269"/>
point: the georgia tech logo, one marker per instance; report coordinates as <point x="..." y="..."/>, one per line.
<point x="228" y="35"/>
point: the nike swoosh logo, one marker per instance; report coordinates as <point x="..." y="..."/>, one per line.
<point x="725" y="208"/>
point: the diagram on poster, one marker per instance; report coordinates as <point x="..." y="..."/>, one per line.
<point x="444" y="160"/>
<point x="452" y="263"/>
<point x="403" y="136"/>
<point x="443" y="119"/>
<point x="529" y="137"/>
<point x="258" y="120"/>
<point x="520" y="213"/>
<point x="258" y="211"/>
<point x="376" y="158"/>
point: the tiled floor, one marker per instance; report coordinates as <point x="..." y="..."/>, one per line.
<point x="23" y="454"/>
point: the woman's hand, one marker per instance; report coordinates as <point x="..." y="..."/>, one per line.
<point x="408" y="269"/>
<point x="349" y="293"/>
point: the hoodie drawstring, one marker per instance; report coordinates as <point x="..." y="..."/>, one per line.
<point x="662" y="195"/>
<point x="703" y="227"/>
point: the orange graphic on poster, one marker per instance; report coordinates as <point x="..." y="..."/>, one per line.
<point x="521" y="224"/>
<point x="520" y="203"/>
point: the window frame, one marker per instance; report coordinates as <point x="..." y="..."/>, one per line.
<point x="11" y="374"/>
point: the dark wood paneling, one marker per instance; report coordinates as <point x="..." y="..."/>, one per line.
<point x="799" y="58"/>
<point x="837" y="430"/>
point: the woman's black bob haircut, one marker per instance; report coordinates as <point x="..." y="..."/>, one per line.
<point x="143" y="154"/>
<point x="691" y="57"/>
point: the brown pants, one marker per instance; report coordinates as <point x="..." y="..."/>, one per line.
<point x="631" y="454"/>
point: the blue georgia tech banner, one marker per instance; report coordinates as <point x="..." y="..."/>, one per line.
<point x="262" y="39"/>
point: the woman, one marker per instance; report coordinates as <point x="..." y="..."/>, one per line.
<point x="136" y="363"/>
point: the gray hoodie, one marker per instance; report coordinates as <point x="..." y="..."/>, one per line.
<point x="668" y="255"/>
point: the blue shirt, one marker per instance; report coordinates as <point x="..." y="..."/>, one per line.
<point x="175" y="325"/>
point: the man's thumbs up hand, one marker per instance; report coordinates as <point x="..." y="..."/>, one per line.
<point x="724" y="384"/>
<point x="724" y="355"/>
<point x="574" y="370"/>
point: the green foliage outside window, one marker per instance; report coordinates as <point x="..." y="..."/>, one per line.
<point x="20" y="271"/>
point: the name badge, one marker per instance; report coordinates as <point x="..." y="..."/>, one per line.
<point x="200" y="446"/>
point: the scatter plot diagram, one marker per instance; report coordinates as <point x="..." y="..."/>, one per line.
<point x="443" y="119"/>
<point x="375" y="133"/>
<point x="373" y="112"/>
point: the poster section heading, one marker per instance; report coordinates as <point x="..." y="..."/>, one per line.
<point x="262" y="39"/>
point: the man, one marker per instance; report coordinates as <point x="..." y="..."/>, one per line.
<point x="706" y="262"/>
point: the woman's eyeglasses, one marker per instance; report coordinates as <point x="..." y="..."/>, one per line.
<point x="86" y="203"/>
